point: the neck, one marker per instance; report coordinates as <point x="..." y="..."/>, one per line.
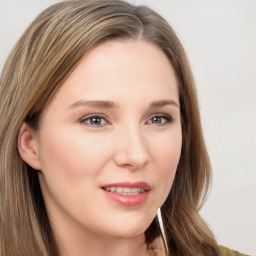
<point x="98" y="246"/>
<point x="76" y="241"/>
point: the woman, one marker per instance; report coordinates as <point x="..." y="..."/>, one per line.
<point x="100" y="128"/>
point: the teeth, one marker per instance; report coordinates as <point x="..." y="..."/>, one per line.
<point x="119" y="190"/>
<point x="124" y="190"/>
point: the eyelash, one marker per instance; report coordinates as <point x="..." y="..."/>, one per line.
<point x="168" y="119"/>
<point x="90" y="117"/>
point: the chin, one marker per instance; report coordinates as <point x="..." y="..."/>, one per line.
<point x="130" y="228"/>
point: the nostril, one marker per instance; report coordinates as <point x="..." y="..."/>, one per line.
<point x="131" y="161"/>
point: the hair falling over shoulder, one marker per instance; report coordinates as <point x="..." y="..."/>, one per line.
<point x="48" y="51"/>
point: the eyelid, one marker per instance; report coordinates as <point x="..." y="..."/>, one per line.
<point x="82" y="120"/>
<point x="169" y="118"/>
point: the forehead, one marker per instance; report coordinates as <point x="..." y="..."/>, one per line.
<point x="121" y="70"/>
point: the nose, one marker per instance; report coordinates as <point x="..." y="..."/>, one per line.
<point x="131" y="149"/>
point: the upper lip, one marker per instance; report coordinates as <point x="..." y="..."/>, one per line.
<point x="128" y="184"/>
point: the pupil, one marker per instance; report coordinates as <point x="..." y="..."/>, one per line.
<point x="157" y="120"/>
<point x="95" y="120"/>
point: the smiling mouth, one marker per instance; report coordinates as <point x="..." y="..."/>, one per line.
<point x="127" y="193"/>
<point x="125" y="190"/>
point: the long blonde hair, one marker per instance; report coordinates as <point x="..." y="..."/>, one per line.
<point x="49" y="50"/>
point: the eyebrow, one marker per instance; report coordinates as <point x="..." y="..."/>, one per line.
<point x="111" y="104"/>
<point x="94" y="104"/>
<point x="162" y="103"/>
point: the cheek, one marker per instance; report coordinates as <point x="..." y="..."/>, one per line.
<point x="71" y="164"/>
<point x="167" y="155"/>
<point x="70" y="161"/>
<point x="68" y="154"/>
<point x="167" y="150"/>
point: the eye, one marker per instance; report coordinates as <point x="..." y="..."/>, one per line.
<point x="94" y="120"/>
<point x="160" y="119"/>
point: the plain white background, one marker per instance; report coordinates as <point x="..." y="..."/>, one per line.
<point x="220" y="39"/>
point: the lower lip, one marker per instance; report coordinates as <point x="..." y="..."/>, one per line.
<point x="128" y="200"/>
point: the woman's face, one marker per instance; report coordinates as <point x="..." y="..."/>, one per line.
<point x="110" y="140"/>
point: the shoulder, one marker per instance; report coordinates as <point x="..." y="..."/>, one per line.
<point x="227" y="252"/>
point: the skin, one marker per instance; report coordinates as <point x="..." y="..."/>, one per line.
<point x="76" y="156"/>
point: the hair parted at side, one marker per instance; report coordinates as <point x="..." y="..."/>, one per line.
<point x="46" y="54"/>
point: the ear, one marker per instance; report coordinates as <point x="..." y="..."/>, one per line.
<point x="28" y="146"/>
